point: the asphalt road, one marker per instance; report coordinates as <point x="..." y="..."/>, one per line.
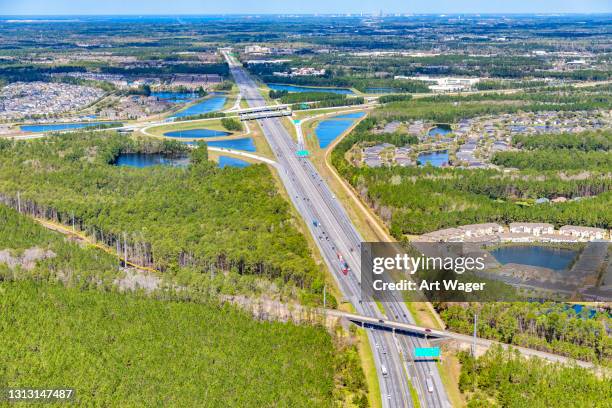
<point x="335" y="234"/>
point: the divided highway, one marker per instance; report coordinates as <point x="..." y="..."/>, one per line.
<point x="336" y="235"/>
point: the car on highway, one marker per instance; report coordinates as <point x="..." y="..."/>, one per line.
<point x="430" y="387"/>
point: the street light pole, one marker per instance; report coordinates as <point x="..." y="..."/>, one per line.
<point x="474" y="338"/>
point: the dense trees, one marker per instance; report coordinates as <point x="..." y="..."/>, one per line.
<point x="357" y="82"/>
<point x="231" y="124"/>
<point x="551" y="327"/>
<point x="129" y="350"/>
<point x="587" y="151"/>
<point x="394" y="98"/>
<point x="504" y="379"/>
<point x="585" y="141"/>
<point x="220" y="69"/>
<point x="199" y="224"/>
<point x="68" y="262"/>
<point x="554" y="159"/>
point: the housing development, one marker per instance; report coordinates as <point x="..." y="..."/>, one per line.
<point x="209" y="210"/>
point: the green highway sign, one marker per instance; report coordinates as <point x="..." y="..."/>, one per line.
<point x="302" y="153"/>
<point x="431" y="352"/>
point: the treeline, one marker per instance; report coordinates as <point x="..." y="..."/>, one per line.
<point x="550" y="327"/>
<point x="339" y="100"/>
<point x="167" y="218"/>
<point x="451" y="111"/>
<point x="209" y="115"/>
<point x="585" y="141"/>
<point x="31" y="73"/>
<point x="217" y="68"/>
<point x="105" y="86"/>
<point x="360" y="83"/>
<point x="574" y="98"/>
<point x="487" y="85"/>
<point x="554" y="159"/>
<point x="394" y="98"/>
<point x="506" y="379"/>
<point x="297" y="97"/>
<point x="587" y="151"/>
<point x="67" y="261"/>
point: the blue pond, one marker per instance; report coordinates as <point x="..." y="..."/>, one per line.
<point x="546" y="257"/>
<point x="227" y="161"/>
<point x="354" y="115"/>
<point x="294" y="88"/>
<point x="245" y="143"/>
<point x="197" y="133"/>
<point x="439" y="130"/>
<point x="328" y="130"/>
<point x="175" y="97"/>
<point x="146" y="160"/>
<point x="436" y="159"/>
<point x="206" y="106"/>
<point x="61" y="126"/>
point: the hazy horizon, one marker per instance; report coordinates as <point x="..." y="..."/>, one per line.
<point x="294" y="7"/>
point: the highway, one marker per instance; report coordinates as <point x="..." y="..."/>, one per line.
<point x="336" y="235"/>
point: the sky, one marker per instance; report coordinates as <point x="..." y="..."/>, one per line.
<point x="165" y="7"/>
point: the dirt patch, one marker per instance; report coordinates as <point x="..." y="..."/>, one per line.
<point x="27" y="260"/>
<point x="135" y="279"/>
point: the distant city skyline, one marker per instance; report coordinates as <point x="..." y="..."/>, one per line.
<point x="157" y="7"/>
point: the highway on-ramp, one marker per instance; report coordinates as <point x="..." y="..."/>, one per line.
<point x="336" y="236"/>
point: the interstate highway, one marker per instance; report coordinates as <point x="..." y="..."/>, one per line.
<point x="334" y="234"/>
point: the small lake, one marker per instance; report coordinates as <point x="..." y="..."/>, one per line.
<point x="227" y="161"/>
<point x="533" y="255"/>
<point x="141" y="160"/>
<point x="354" y="115"/>
<point x="329" y="129"/>
<point x="54" y="127"/>
<point x="197" y="133"/>
<point x="175" y="97"/>
<point x="245" y="143"/>
<point x="295" y="88"/>
<point x="436" y="159"/>
<point x="439" y="130"/>
<point x="213" y="104"/>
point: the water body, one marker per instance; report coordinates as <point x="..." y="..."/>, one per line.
<point x="197" y="133"/>
<point x="141" y="160"/>
<point x="354" y="115"/>
<point x="63" y="126"/>
<point x="436" y="159"/>
<point x="294" y="88"/>
<point x="534" y="255"/>
<point x="227" y="161"/>
<point x="328" y="130"/>
<point x="245" y="143"/>
<point x="175" y="97"/>
<point x="206" y="106"/>
<point x="439" y="130"/>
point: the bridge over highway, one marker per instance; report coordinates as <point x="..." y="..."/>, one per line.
<point x="265" y="114"/>
<point x="420" y="331"/>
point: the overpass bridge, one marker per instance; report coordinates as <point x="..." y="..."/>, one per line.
<point x="263" y="108"/>
<point x="436" y="335"/>
<point x="265" y="114"/>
